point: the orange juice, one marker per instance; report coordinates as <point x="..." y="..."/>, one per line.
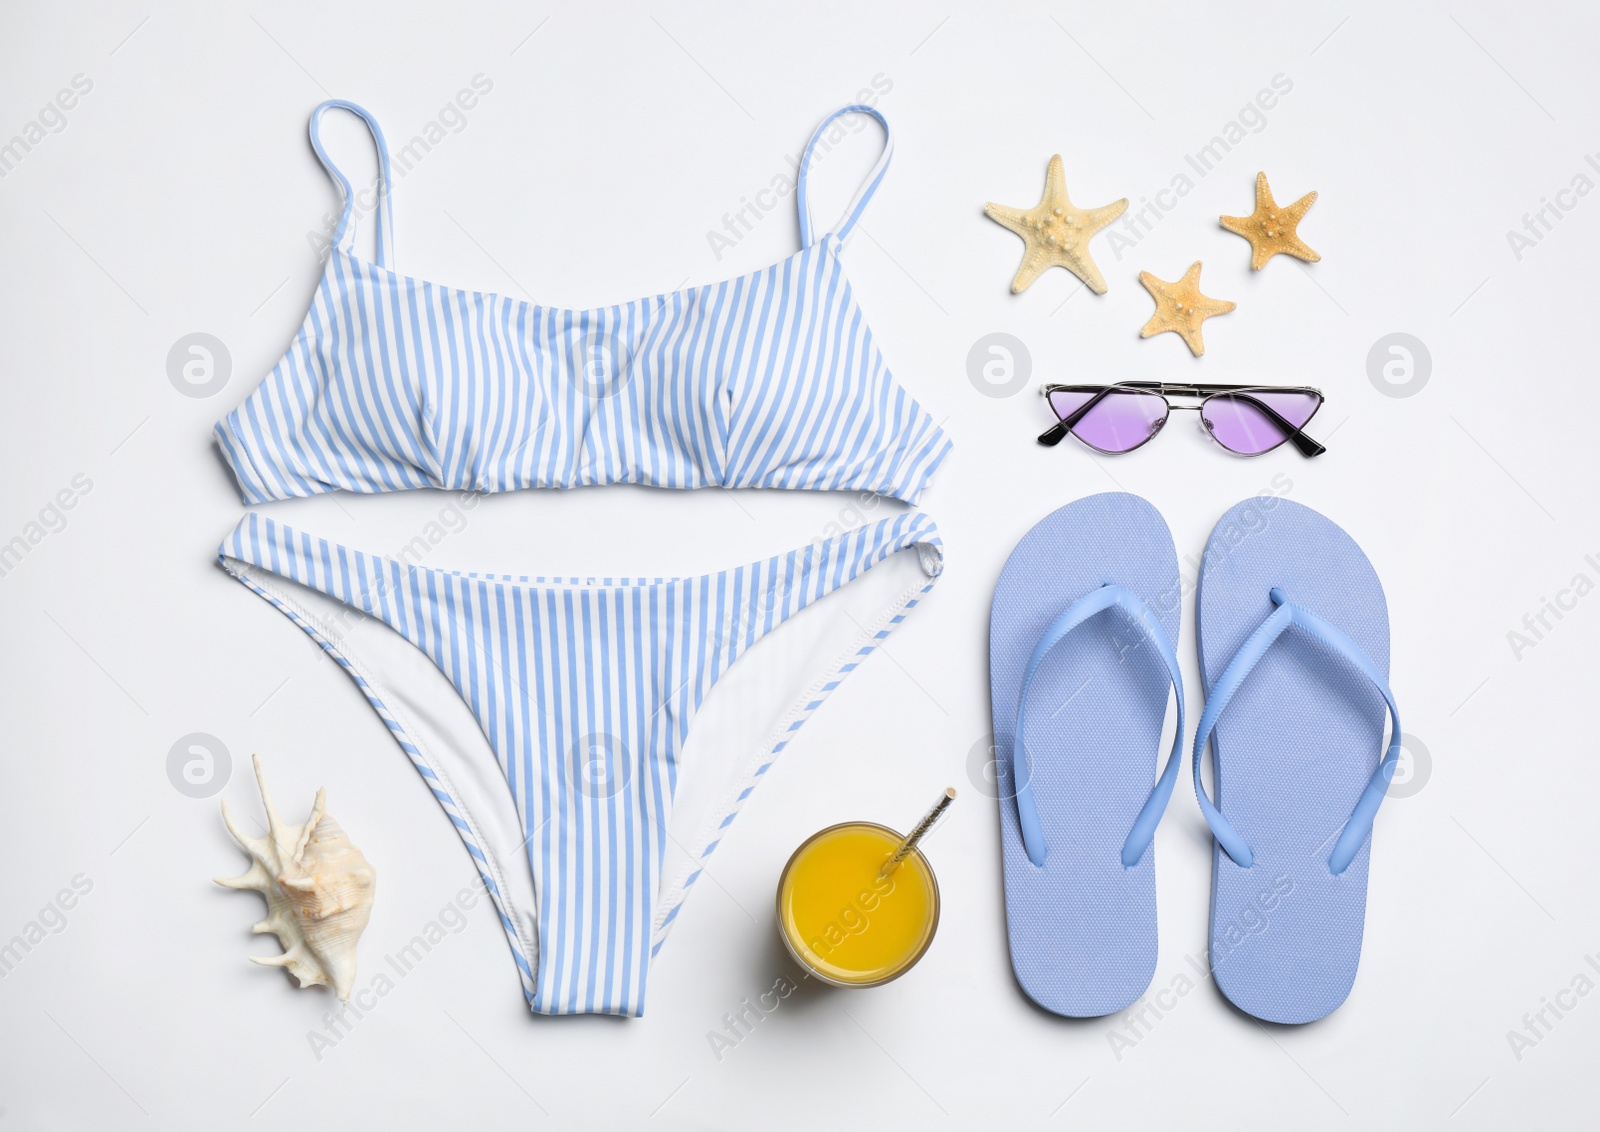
<point x="844" y="922"/>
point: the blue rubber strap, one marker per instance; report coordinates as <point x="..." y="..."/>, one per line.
<point x="1144" y="826"/>
<point x="808" y="230"/>
<point x="344" y="236"/>
<point x="1359" y="825"/>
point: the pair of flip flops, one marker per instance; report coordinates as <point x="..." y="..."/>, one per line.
<point x="1294" y="656"/>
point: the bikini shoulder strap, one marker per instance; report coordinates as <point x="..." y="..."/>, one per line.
<point x="344" y="236"/>
<point x="852" y="214"/>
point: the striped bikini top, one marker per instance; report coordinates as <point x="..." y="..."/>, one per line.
<point x="772" y="379"/>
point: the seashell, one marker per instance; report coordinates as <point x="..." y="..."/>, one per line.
<point x="319" y="891"/>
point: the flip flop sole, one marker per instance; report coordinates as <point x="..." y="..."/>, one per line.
<point x="1082" y="926"/>
<point x="1292" y="753"/>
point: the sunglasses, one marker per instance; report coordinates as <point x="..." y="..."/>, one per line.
<point x="1245" y="419"/>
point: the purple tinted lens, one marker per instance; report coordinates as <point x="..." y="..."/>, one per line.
<point x="1240" y="424"/>
<point x="1296" y="408"/>
<point x="1120" y="421"/>
<point x="1065" y="402"/>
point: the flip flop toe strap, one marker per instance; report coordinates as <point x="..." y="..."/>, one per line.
<point x="1144" y="826"/>
<point x="1359" y="825"/>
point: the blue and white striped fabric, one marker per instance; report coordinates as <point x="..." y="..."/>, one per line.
<point x="769" y="380"/>
<point x="586" y="691"/>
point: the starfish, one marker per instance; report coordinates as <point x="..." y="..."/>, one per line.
<point x="1271" y="227"/>
<point x="1181" y="308"/>
<point x="1056" y="233"/>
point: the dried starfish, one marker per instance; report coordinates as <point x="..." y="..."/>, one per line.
<point x="1271" y="227"/>
<point x="1181" y="308"/>
<point x="1055" y="232"/>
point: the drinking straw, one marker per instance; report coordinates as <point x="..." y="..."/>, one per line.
<point x="916" y="834"/>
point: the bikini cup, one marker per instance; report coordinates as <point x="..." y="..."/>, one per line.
<point x="771" y="379"/>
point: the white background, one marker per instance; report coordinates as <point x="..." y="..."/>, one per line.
<point x="178" y="198"/>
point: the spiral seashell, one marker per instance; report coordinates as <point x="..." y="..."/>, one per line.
<point x="319" y="891"/>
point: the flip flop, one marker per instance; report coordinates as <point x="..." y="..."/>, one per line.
<point x="1080" y="664"/>
<point x="1294" y="656"/>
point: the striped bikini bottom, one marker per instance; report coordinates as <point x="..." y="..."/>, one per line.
<point x="566" y="725"/>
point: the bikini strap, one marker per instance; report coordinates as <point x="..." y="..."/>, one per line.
<point x="808" y="231"/>
<point x="344" y="236"/>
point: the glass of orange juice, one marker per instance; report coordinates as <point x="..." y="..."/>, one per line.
<point x="844" y="917"/>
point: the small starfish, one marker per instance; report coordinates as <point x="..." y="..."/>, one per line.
<point x="1181" y="308"/>
<point x="1056" y="233"/>
<point x="1271" y="227"/>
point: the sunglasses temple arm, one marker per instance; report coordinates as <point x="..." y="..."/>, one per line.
<point x="1305" y="444"/>
<point x="1058" y="432"/>
<point x="1299" y="439"/>
<point x="1054" y="435"/>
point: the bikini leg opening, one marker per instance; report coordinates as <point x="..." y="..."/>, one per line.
<point x="438" y="733"/>
<point x="589" y="694"/>
<point x="754" y="712"/>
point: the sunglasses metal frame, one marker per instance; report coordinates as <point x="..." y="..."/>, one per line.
<point x="1296" y="436"/>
